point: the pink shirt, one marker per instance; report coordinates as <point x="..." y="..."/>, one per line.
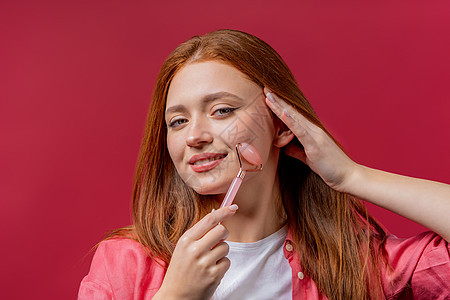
<point x="122" y="270"/>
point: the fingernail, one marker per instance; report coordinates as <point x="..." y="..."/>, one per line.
<point x="286" y="113"/>
<point x="234" y="207"/>
<point x="213" y="210"/>
<point x="270" y="97"/>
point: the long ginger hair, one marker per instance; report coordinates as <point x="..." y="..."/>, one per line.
<point x="340" y="245"/>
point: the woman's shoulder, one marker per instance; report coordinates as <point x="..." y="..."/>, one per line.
<point x="125" y="250"/>
<point x="416" y="246"/>
<point x="420" y="263"/>
<point x="120" y="265"/>
<point x="115" y="245"/>
<point x="423" y="251"/>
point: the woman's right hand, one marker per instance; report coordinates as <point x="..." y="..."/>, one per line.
<point x="198" y="263"/>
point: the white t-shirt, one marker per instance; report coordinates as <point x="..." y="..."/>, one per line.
<point x="258" y="270"/>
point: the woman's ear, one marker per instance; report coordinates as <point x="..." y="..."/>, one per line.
<point x="282" y="135"/>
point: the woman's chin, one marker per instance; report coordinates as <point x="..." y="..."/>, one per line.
<point x="211" y="188"/>
<point x="210" y="185"/>
<point x="209" y="191"/>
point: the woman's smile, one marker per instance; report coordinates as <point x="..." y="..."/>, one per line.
<point x="206" y="161"/>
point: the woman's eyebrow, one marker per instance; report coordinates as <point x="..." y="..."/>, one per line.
<point x="211" y="97"/>
<point x="205" y="100"/>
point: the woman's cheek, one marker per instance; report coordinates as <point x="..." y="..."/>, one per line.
<point x="238" y="130"/>
<point x="254" y="126"/>
<point x="174" y="149"/>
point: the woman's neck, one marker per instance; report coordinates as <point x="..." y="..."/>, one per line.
<point x="260" y="210"/>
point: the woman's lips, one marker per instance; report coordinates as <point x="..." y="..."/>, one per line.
<point x="206" y="161"/>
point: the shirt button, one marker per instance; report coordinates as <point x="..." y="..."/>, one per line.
<point x="300" y="275"/>
<point x="289" y="247"/>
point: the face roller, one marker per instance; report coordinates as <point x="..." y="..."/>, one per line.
<point x="251" y="155"/>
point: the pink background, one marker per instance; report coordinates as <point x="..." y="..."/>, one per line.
<point x="76" y="79"/>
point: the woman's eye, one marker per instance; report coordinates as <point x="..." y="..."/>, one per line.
<point x="224" y="111"/>
<point x="176" y="123"/>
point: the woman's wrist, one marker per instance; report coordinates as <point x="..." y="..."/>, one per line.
<point x="354" y="180"/>
<point x="164" y="295"/>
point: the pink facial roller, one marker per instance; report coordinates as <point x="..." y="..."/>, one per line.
<point x="251" y="155"/>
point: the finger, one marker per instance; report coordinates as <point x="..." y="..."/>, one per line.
<point x="218" y="252"/>
<point x="295" y="152"/>
<point x="222" y="266"/>
<point x="279" y="106"/>
<point x="197" y="231"/>
<point x="301" y="131"/>
<point x="213" y="237"/>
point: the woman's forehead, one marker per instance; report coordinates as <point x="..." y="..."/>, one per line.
<point x="196" y="80"/>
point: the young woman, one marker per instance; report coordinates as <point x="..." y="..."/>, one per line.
<point x="297" y="229"/>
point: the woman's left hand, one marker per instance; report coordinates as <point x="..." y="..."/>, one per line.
<point x="320" y="152"/>
<point x="423" y="201"/>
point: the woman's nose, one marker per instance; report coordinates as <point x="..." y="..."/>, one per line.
<point x="198" y="134"/>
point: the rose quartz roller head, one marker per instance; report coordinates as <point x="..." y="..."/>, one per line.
<point x="251" y="155"/>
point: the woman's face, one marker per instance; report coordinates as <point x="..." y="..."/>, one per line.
<point x="210" y="107"/>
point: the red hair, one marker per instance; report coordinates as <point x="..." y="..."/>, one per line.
<point x="342" y="246"/>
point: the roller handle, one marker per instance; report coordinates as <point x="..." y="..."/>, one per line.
<point x="231" y="193"/>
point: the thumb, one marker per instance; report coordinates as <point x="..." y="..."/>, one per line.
<point x="295" y="151"/>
